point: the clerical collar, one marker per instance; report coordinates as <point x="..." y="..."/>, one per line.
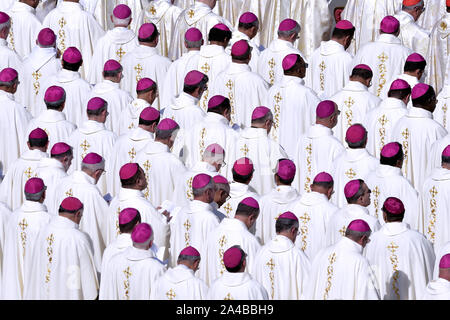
<point x="235" y="224"/>
<point x="319" y="130"/>
<point x="394" y="228"/>
<point x="286" y="80"/>
<point x="127" y="194"/>
<point x="384" y="170"/>
<point x="212" y="116"/>
<point x="354" y="155"/>
<point x="234" y="279"/>
<point x="197" y="205"/>
<point x="65" y="6"/>
<point x="419" y="113"/>
<point x="392" y="103"/>
<point x="354" y="246"/>
<point x="388" y="38"/>
<point x="33" y="206"/>
<point x="355" y="86"/>
<point x="313" y="198"/>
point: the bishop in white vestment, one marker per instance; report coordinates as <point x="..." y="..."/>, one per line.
<point x="439" y="288"/>
<point x="10" y="57"/>
<point x="441" y="113"/>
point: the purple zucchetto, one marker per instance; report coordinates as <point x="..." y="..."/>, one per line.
<point x="193" y="35"/>
<point x="193" y="78"/>
<point x="446" y="151"/>
<point x="260" y="112"/>
<point x="127" y="215"/>
<point x="59" y="148"/>
<point x="190" y="251"/>
<point x="92" y="158"/>
<point x="344" y="25"/>
<point x="149" y="114"/>
<point x="355" y="133"/>
<point x="399" y="84"/>
<point x="4" y="17"/>
<point x="144" y="84"/>
<point x="71" y="204"/>
<point x="286" y="169"/>
<point x="362" y="66"/>
<point x="72" y="55"/>
<point x="167" y="124"/>
<point x="34" y="185"/>
<point x="215" y="101"/>
<point x="215" y="148"/>
<point x="394" y="205"/>
<point x="8" y="75"/>
<point x="128" y="170"/>
<point x="351" y="188"/>
<point x="323" y="177"/>
<point x="46" y="37"/>
<point x="389" y="24"/>
<point x="419" y="90"/>
<point x="359" y="226"/>
<point x="390" y="150"/>
<point x="201" y="180"/>
<point x="221" y="26"/>
<point x="289" y="61"/>
<point x="111" y="65"/>
<point x="96" y="103"/>
<point x="37" y="133"/>
<point x="415" y="57"/>
<point x="122" y="11"/>
<point x="288" y="215"/>
<point x="239" y="48"/>
<point x="53" y="94"/>
<point x="232" y="257"/>
<point x="248" y="17"/>
<point x="287" y="25"/>
<point x="243" y="166"/>
<point x="251" y="202"/>
<point x="444" y="263"/>
<point x="141" y="233"/>
<point x="325" y="109"/>
<point x="220" y="179"/>
<point x="146" y="30"/>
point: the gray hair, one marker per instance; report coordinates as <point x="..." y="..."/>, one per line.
<point x="6" y="24"/>
<point x="164" y="134"/>
<point x="9" y="84"/>
<point x="198" y="192"/>
<point x="288" y="33"/>
<point x="190" y="259"/>
<point x="121" y="22"/>
<point x="93" y="167"/>
<point x="408" y="8"/>
<point x="193" y="44"/>
<point x="356" y="235"/>
<point x="268" y="116"/>
<point x="56" y="104"/>
<point x="144" y="245"/>
<point x="34" y="196"/>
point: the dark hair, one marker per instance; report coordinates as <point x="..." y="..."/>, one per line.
<point x="61" y="209"/>
<point x="393" y="217"/>
<point x="362" y="73"/>
<point x="245" y="210"/>
<point x="247" y="26"/>
<point x="239" y="178"/>
<point x="358" y="194"/>
<point x="392" y="161"/>
<point x="285" y="224"/>
<point x="238" y="267"/>
<point x="359" y="144"/>
<point x="152" y="37"/>
<point x="98" y="111"/>
<point x="341" y="33"/>
<point x="244" y="56"/>
<point x="221" y="108"/>
<point x="399" y="94"/>
<point x="425" y="99"/>
<point x="62" y="155"/>
<point x="191" y="88"/>
<point x="40" y="143"/>
<point x="323" y="184"/>
<point x="112" y="73"/>
<point x="413" y="66"/>
<point x="71" y="66"/>
<point x="445" y="159"/>
<point x="153" y="87"/>
<point x="55" y="105"/>
<point x="219" y="35"/>
<point x="148" y="122"/>
<point x="131" y="181"/>
<point x="128" y="227"/>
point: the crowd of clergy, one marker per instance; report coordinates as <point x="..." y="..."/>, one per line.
<point x="224" y="149"/>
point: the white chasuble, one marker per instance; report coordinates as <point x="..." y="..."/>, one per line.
<point x="379" y="123"/>
<point x="442" y="114"/>
<point x="436" y="152"/>
<point x="164" y="15"/>
<point x="438" y="289"/>
<point x="10" y="58"/>
<point x="354" y="102"/>
<point x="282" y="269"/>
<point x="236" y="286"/>
<point x="129" y="117"/>
<point x="5" y="214"/>
<point x="245" y="89"/>
<point x="21" y="232"/>
<point x="294" y="108"/>
<point x="434" y="10"/>
<point x="387" y="181"/>
<point x="402" y="260"/>
<point x="271" y="205"/>
<point x="341" y="272"/>
<point x="417" y="131"/>
<point x="412" y="35"/>
<point x="119" y="245"/>
<point x="230" y="232"/>
<point x="24" y="168"/>
<point x="238" y="192"/>
<point x="185" y="110"/>
<point x="113" y="45"/>
<point x="444" y="249"/>
<point x="256" y="50"/>
<point x="329" y="69"/>
<point x="75" y="27"/>
<point x="179" y="283"/>
<point x="316" y="152"/>
<point x="62" y="266"/>
<point x="412" y="81"/>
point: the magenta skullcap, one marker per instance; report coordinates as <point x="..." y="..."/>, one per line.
<point x="344" y="25"/>
<point x="419" y="90"/>
<point x="149" y="114"/>
<point x="390" y="150"/>
<point x="193" y="35"/>
<point x="251" y="202"/>
<point x="8" y="75"/>
<point x="71" y="204"/>
<point x="59" y="148"/>
<point x="92" y="158"/>
<point x="215" y="149"/>
<point x="415" y="57"/>
<point x="72" y="55"/>
<point x="289" y="61"/>
<point x="243" y="166"/>
<point x="362" y="66"/>
<point x="358" y="225"/>
<point x="399" y="84"/>
<point x="144" y="84"/>
<point x="111" y="65"/>
<point x="355" y="133"/>
<point x="351" y="188"/>
<point x="248" y="17"/>
<point x="215" y="101"/>
<point x="34" y="185"/>
<point x="389" y="24"/>
<point x="444" y="263"/>
<point x="288" y="215"/>
<point x="193" y="78"/>
<point x="141" y="233"/>
<point x="38" y="133"/>
<point x="446" y="152"/>
<point x="286" y="169"/>
<point x="96" y="103"/>
<point x="232" y="257"/>
<point x="190" y="251"/>
<point x="201" y="180"/>
<point x="167" y="124"/>
<point x="325" y="109"/>
<point x="394" y="205"/>
<point x="323" y="177"/>
<point x="128" y="170"/>
<point x="122" y="11"/>
<point x="53" y="94"/>
<point x="239" y="48"/>
<point x="260" y="112"/>
<point x="222" y="27"/>
<point x="127" y="214"/>
<point x="46" y="37"/>
<point x="3" y="17"/>
<point x="220" y="179"/>
<point x="287" y="25"/>
<point x="146" y="30"/>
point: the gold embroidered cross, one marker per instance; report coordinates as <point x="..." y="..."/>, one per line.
<point x="191" y="13"/>
<point x="350" y="173"/>
<point x="187" y="225"/>
<point x="36" y="75"/>
<point x="383" y="57"/>
<point x="309" y="148"/>
<point x="443" y="26"/>
<point x="152" y="10"/>
<point x="28" y="172"/>
<point x="205" y="68"/>
<point x="405" y="134"/>
<point x="277" y="98"/>
<point x="271" y="264"/>
<point x="376" y="191"/>
<point x="272" y="63"/>
<point x="342" y="231"/>
<point x="120" y="53"/>
<point x="229" y="84"/>
<point x="85" y="145"/>
<point x="305" y="218"/>
<point x="127" y="272"/>
<point x="245" y="150"/>
<point x="147" y="165"/>
<point x="228" y="209"/>
<point x="170" y="294"/>
<point x="23" y="224"/>
<point x="132" y="154"/>
<point x="223" y="241"/>
<point x="349" y="102"/>
<point x="138" y="68"/>
<point x="433" y="192"/>
<point x="383" y="120"/>
<point x="69" y="193"/>
<point x="62" y="22"/>
<point x="392" y="247"/>
<point x="50" y="239"/>
<point x="322" y="66"/>
<point x="444" y="121"/>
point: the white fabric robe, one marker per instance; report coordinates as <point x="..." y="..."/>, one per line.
<point x="386" y="57"/>
<point x="412" y="35"/>
<point x="237" y="286"/>
<point x="113" y="45"/>
<point x="340" y="220"/>
<point x="256" y="50"/>
<point x="438" y="289"/>
<point x="21" y="233"/>
<point x="13" y="125"/>
<point x="257" y="7"/>
<point x="10" y="58"/>
<point x="245" y="89"/>
<point x="238" y="192"/>
<point x="434" y="10"/>
<point x="441" y="113"/>
<point x="281" y="199"/>
<point x="316" y="152"/>
<point x="191" y="226"/>
<point x="412" y="81"/>
<point x="104" y="8"/>
<point x="144" y="62"/>
<point x="129" y="117"/>
<point x="445" y="248"/>
<point x="329" y="69"/>
<point x="341" y="271"/>
<point x="294" y="108"/>
<point x="179" y="283"/>
<point x="62" y="266"/>
<point x="5" y="214"/>
<point x="256" y="144"/>
<point x="350" y="165"/>
<point x="436" y="151"/>
<point x="387" y="181"/>
<point x="379" y="123"/>
<point x="282" y="269"/>
<point x="230" y="232"/>
<point x="75" y="27"/>
<point x="435" y="219"/>
<point x="354" y="102"/>
<point x="402" y="260"/>
<point x="417" y="131"/>
<point x="122" y="242"/>
<point x="12" y="187"/>
<point x="185" y="111"/>
<point x="130" y="275"/>
<point x="95" y="213"/>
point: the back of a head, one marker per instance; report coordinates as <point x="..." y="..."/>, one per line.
<point x="241" y="51"/>
<point x="148" y="32"/>
<point x="399" y="89"/>
<point x="445" y="157"/>
<point x="285" y="222"/>
<point x="247" y="21"/>
<point x="193" y="38"/>
<point x="121" y="16"/>
<point x="394" y="209"/>
<point x="142" y="236"/>
<point x="46" y="38"/>
<point x="92" y="163"/>
<point x="362" y="71"/>
<point x="260" y="115"/>
<point x="5" y="21"/>
<point x="343" y="28"/>
<point x="219" y="104"/>
<point x="233" y="259"/>
<point x="287" y="28"/>
<point x="356" y="136"/>
<point x="167" y="128"/>
<point x="34" y="189"/>
<point x="9" y="77"/>
<point x="193" y="80"/>
<point x="423" y="96"/>
<point x="357" y="229"/>
<point x="414" y="62"/>
<point x="54" y="97"/>
<point x="389" y="25"/>
<point x="38" y="138"/>
<point x="72" y="59"/>
<point x="201" y="183"/>
<point x="70" y="205"/>
<point x="219" y="33"/>
<point x="285" y="171"/>
<point x="129" y="174"/>
<point x="128" y="219"/>
<point x="353" y="190"/>
<point x="391" y="154"/>
<point x="188" y="256"/>
<point x="444" y="267"/>
<point x="242" y="170"/>
<point x="96" y="106"/>
<point x="325" y="110"/>
<point x="247" y="207"/>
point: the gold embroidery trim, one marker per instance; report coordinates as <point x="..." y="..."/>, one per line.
<point x="349" y="113"/>
<point x="376" y="200"/>
<point x="132" y="154"/>
<point x="322" y="67"/>
<point x="62" y="35"/>
<point x="138" y="68"/>
<point x="444" y="117"/>
<point x="394" y="261"/>
<point x="23" y="235"/>
<point x="276" y="117"/>
<point x="50" y="241"/>
<point x="350" y="173"/>
<point x="120" y="53"/>
<point x="304" y="230"/>
<point x="222" y="242"/>
<point x="331" y="260"/>
<point x="307" y="186"/>
<point x="272" y="64"/>
<point x="11" y="36"/>
<point x="187" y="225"/>
<point x="170" y="294"/>
<point x="85" y="146"/>
<point x="147" y="165"/>
<point x="405" y="144"/>
<point x="271" y="266"/>
<point x="432" y="223"/>
<point x="382" y="131"/>
<point x="245" y="150"/>
<point x="230" y="86"/>
<point x="228" y="208"/>
<point x="126" y="282"/>
<point x="382" y="70"/>
<point x="228" y="297"/>
<point x="36" y="85"/>
<point x="201" y="143"/>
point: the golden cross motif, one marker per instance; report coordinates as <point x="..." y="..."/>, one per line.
<point x="383" y="120"/>
<point x="228" y="208"/>
<point x="433" y="192"/>
<point x="444" y="121"/>
<point x="132" y="154"/>
<point x="170" y="294"/>
<point x="272" y="63"/>
<point x="85" y="145"/>
<point x="69" y="193"/>
<point x="191" y="13"/>
<point x="62" y="22"/>
<point x="152" y="10"/>
<point x="36" y="75"/>
<point x="405" y="134"/>
<point x="127" y="272"/>
<point x="187" y="225"/>
<point x="349" y="102"/>
<point x="228" y="297"/>
<point x="120" y="53"/>
<point x="138" y="68"/>
<point x="383" y="57"/>
<point x="392" y="247"/>
<point x="277" y="98"/>
<point x="205" y="68"/>
<point x="245" y="150"/>
<point x="50" y="239"/>
<point x="28" y="172"/>
<point x="305" y="218"/>
<point x="23" y="224"/>
<point x="11" y="36"/>
<point x="376" y="191"/>
<point x="223" y="241"/>
<point x="322" y="66"/>
<point x="229" y="84"/>
<point x="147" y="165"/>
<point x="342" y="231"/>
<point x="271" y="264"/>
<point x="309" y="148"/>
<point x="443" y="26"/>
<point x="350" y="173"/>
